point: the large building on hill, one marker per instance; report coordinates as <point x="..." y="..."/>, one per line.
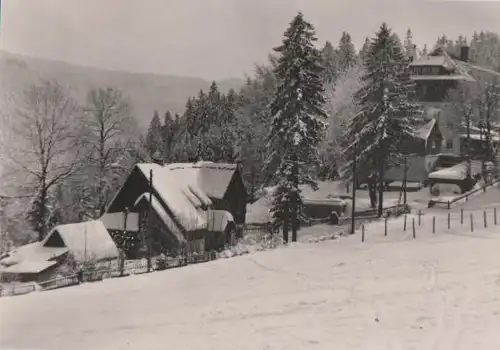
<point x="435" y="75"/>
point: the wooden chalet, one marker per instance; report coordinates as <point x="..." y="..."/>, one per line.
<point x="194" y="206"/>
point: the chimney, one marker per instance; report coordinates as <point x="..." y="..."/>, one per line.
<point x="464" y="53"/>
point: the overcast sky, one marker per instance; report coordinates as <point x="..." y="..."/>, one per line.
<point x="214" y="39"/>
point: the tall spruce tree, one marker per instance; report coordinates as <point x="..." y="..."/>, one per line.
<point x="154" y="137"/>
<point x="168" y="132"/>
<point x="377" y="131"/>
<point x="346" y="53"/>
<point x="298" y="121"/>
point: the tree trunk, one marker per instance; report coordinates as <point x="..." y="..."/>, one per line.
<point x="286" y="216"/>
<point x="42" y="212"/>
<point x="295" y="199"/>
<point x="381" y="190"/>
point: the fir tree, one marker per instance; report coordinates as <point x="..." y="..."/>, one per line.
<point x="203" y="118"/>
<point x="329" y="55"/>
<point x="376" y="132"/>
<point x="154" y="137"/>
<point x="168" y="133"/>
<point x="364" y="50"/>
<point x="298" y="120"/>
<point x="346" y="53"/>
<point x="408" y="44"/>
<point x="425" y="51"/>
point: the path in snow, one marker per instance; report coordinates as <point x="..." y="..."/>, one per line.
<point x="439" y="291"/>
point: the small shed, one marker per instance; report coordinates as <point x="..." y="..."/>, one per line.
<point x="84" y="242"/>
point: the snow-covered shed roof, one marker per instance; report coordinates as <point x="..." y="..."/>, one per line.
<point x="85" y="240"/>
<point x="29" y="266"/>
<point x="32" y="252"/>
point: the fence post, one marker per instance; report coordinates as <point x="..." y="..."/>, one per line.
<point x="449" y="220"/>
<point x="461" y="216"/>
<point x="471" y="222"/>
<point x="404" y="227"/>
<point x="362" y="232"/>
<point x="433" y="224"/>
<point x="495" y="215"/>
<point x="485" y="219"/>
<point x="448" y="205"/>
<point x="413" y="226"/>
<point x="385" y="226"/>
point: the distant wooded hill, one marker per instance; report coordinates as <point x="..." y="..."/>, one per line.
<point x="147" y="92"/>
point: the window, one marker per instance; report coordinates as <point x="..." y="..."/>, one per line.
<point x="449" y="144"/>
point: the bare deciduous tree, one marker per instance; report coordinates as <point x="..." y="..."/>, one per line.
<point x="109" y="126"/>
<point x="45" y="125"/>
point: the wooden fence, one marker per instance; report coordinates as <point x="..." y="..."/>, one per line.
<point x="469" y="221"/>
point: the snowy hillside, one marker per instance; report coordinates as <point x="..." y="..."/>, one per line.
<point x="435" y="292"/>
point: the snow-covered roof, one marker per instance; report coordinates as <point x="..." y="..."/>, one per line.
<point x="212" y="178"/>
<point x="430" y="61"/>
<point x="34" y="252"/>
<point x="479" y="137"/>
<point x="456" y="172"/>
<point x="29" y="266"/>
<point x="443" y="77"/>
<point x="195" y="221"/>
<point x="181" y="192"/>
<point x="471" y="67"/>
<point x="425" y="131"/>
<point x="443" y="59"/>
<point x="85" y="240"/>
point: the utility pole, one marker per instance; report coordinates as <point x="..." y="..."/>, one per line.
<point x="354" y="178"/>
<point x="122" y="253"/>
<point x="150" y="217"/>
<point x="405" y="179"/>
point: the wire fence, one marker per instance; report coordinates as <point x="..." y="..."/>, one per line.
<point x="413" y="225"/>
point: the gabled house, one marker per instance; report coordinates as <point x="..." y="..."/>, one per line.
<point x="82" y="242"/>
<point x="194" y="206"/>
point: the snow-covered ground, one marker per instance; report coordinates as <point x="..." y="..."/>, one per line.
<point x="439" y="291"/>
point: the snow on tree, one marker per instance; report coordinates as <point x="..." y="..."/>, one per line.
<point x="154" y="137"/>
<point x="46" y="121"/>
<point x="108" y="126"/>
<point x="298" y="120"/>
<point x="408" y="44"/>
<point x="375" y="134"/>
<point x="340" y="106"/>
<point x="254" y="121"/>
<point x="364" y="50"/>
<point x="346" y="53"/>
<point x="330" y="59"/>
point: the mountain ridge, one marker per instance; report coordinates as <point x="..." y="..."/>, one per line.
<point x="147" y="92"/>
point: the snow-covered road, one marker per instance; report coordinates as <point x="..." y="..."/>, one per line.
<point x="438" y="292"/>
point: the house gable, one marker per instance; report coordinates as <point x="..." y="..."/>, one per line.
<point x="54" y="240"/>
